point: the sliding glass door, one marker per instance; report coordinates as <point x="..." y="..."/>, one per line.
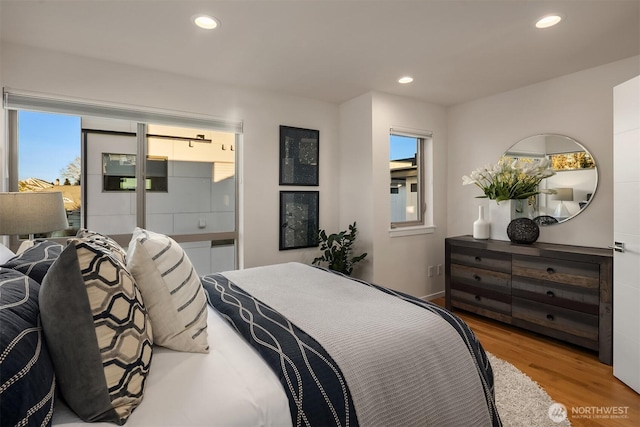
<point x="109" y="151"/>
<point x="188" y="189"/>
<point x="199" y="204"/>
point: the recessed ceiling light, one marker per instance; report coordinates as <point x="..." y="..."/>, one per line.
<point x="405" y="80"/>
<point x="205" y="21"/>
<point x="548" y="21"/>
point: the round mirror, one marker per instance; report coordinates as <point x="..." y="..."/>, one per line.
<point x="574" y="183"/>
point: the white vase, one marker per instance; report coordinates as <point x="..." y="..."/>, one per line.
<point x="481" y="226"/>
<point x="500" y="215"/>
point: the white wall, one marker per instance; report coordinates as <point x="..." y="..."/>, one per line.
<point x="398" y="262"/>
<point x="579" y="105"/>
<point x="26" y="68"/>
<point x="354" y="168"/>
<point x="402" y="262"/>
<point x="355" y="171"/>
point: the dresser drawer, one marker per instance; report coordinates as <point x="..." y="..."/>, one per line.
<point x="480" y="278"/>
<point x="482" y="305"/>
<point x="577" y="298"/>
<point x="567" y="321"/>
<point x="479" y="258"/>
<point x="581" y="274"/>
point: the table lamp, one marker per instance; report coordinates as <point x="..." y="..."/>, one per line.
<point x="562" y="194"/>
<point x="31" y="213"/>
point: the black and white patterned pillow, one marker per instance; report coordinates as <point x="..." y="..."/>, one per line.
<point x="36" y="260"/>
<point x="27" y="380"/>
<point x="104" y="241"/>
<point x="98" y="331"/>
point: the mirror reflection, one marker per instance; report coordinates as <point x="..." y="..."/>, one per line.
<point x="574" y="183"/>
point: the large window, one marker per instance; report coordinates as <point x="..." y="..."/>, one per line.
<point x="186" y="187"/>
<point x="407" y="183"/>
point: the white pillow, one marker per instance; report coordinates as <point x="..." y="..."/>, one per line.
<point x="5" y="254"/>
<point x="171" y="291"/>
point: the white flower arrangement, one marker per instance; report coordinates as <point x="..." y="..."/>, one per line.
<point x="511" y="179"/>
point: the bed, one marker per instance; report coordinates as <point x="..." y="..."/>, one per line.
<point x="229" y="386"/>
<point x="292" y="344"/>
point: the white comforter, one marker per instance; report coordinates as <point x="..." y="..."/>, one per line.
<point x="230" y="386"/>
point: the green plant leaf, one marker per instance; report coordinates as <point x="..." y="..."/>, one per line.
<point x="337" y="248"/>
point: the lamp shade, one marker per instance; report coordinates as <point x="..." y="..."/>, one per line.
<point x="565" y="194"/>
<point x="31" y="213"/>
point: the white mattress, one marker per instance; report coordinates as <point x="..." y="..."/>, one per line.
<point x="230" y="386"/>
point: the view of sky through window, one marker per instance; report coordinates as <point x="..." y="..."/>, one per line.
<point x="402" y="147"/>
<point x="47" y="144"/>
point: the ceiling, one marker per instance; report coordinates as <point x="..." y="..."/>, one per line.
<point x="334" y="50"/>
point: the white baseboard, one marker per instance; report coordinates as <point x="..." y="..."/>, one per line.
<point x="433" y="296"/>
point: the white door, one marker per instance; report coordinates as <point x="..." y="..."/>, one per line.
<point x="626" y="233"/>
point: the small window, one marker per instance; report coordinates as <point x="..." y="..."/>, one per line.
<point x="406" y="164"/>
<point x="119" y="172"/>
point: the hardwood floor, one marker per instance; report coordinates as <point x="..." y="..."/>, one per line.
<point x="571" y="375"/>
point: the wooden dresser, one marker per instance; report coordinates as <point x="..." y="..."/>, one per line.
<point x="561" y="291"/>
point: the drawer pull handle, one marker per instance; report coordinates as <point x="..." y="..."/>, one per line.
<point x="550" y="270"/>
<point x="477" y="297"/>
<point x="478" y="259"/>
<point x="477" y="278"/>
<point x="550" y="317"/>
<point x="550" y="294"/>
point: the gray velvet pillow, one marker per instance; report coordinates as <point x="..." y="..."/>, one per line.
<point x="98" y="332"/>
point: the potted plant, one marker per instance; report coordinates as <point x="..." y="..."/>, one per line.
<point x="513" y="181"/>
<point x="337" y="250"/>
<point x="510" y="179"/>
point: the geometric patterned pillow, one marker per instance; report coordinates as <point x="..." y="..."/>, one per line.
<point x="27" y="382"/>
<point x="98" y="332"/>
<point x="36" y="260"/>
<point x="172" y="291"/>
<point x="105" y="241"/>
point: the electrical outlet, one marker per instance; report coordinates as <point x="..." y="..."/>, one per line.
<point x="439" y="269"/>
<point x="430" y="271"/>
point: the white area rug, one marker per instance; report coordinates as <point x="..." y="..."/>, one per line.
<point x="521" y="401"/>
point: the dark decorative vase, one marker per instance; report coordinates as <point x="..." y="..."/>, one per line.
<point x="523" y="230"/>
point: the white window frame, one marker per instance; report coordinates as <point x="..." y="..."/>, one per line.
<point x="424" y="225"/>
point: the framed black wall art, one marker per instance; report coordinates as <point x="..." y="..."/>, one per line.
<point x="299" y="156"/>
<point x="299" y="212"/>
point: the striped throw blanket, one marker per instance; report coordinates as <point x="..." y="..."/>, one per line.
<point x="350" y="353"/>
